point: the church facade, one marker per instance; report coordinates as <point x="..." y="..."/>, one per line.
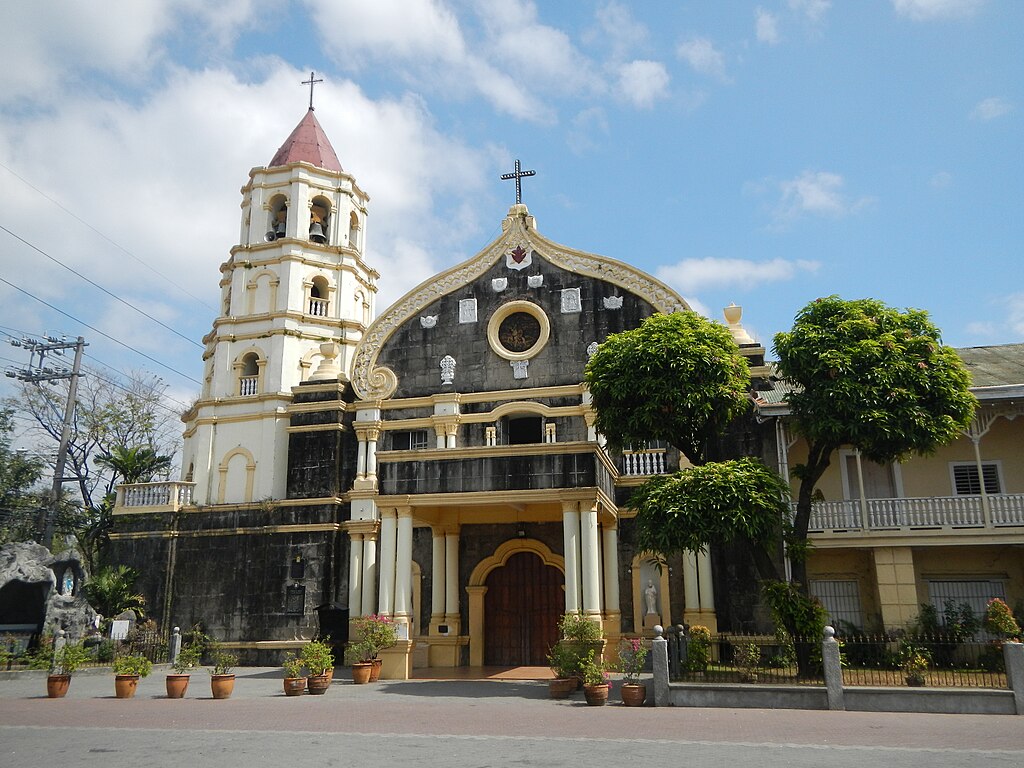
<point x="437" y="464"/>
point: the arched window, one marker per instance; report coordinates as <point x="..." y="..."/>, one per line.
<point x="249" y="375"/>
<point x="277" y="225"/>
<point x="353" y="230"/>
<point x="319" y="297"/>
<point x="319" y="220"/>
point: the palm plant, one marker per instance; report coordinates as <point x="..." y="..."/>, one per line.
<point x="110" y="591"/>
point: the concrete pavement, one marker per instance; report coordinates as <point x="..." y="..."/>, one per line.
<point x="455" y="723"/>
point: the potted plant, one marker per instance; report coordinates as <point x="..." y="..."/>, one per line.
<point x="294" y="682"/>
<point x="565" y="665"/>
<point x="317" y="657"/>
<point x="359" y="656"/>
<point x="128" y="670"/>
<point x="632" y="656"/>
<point x="914" y="661"/>
<point x="380" y="633"/>
<point x="595" y="680"/>
<point x="222" y="679"/>
<point x="177" y="681"/>
<point x="66" y="662"/>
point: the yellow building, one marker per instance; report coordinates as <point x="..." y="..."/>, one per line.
<point x="947" y="527"/>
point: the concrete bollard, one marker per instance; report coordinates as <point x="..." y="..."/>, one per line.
<point x="659" y="651"/>
<point x="175" y="647"/>
<point x="1013" y="655"/>
<point x="833" y="669"/>
<point x="59" y="642"/>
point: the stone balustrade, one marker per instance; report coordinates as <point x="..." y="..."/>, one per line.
<point x="929" y="512"/>
<point x="164" y="496"/>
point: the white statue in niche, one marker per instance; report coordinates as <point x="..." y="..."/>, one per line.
<point x="651" y="597"/>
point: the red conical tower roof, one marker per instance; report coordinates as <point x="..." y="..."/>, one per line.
<point x="309" y="144"/>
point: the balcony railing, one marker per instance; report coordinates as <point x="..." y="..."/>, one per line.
<point x="935" y="512"/>
<point x="646" y="462"/>
<point x="169" y="496"/>
<point x="248" y="385"/>
<point x="318" y="307"/>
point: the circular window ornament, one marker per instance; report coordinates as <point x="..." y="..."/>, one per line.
<point x="518" y="330"/>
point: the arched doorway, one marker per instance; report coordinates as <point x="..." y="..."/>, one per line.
<point x="522" y="605"/>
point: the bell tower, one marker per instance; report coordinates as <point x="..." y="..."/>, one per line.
<point x="296" y="279"/>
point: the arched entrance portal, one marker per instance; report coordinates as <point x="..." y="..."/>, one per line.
<point x="523" y="602"/>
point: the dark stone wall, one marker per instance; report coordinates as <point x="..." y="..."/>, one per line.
<point x="414" y="353"/>
<point x="321" y="463"/>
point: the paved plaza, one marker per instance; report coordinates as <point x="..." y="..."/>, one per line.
<point x="504" y="721"/>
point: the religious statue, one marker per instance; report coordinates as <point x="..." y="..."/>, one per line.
<point x="651" y="597"/>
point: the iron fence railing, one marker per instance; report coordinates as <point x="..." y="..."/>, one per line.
<point x="735" y="658"/>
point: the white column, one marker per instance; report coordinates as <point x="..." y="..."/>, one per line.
<point x="403" y="565"/>
<point x="388" y="553"/>
<point x="610" y="540"/>
<point x="437" y="578"/>
<point x="451" y="581"/>
<point x="369" y="581"/>
<point x="591" y="570"/>
<point x="371" y="452"/>
<point x="706" y="588"/>
<point x="452" y="434"/>
<point x="361" y="459"/>
<point x="439" y="431"/>
<point x="690" y="592"/>
<point x="571" y="539"/>
<point x="355" y="575"/>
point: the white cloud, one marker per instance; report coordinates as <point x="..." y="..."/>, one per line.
<point x="641" y="83"/>
<point x="942" y="180"/>
<point x="744" y="274"/>
<point x="587" y="130"/>
<point x="619" y="31"/>
<point x="990" y="109"/>
<point x="813" y="10"/>
<point x="766" y="26"/>
<point x="702" y="56"/>
<point x="815" y="192"/>
<point x="927" y="10"/>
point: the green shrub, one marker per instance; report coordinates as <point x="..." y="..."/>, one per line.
<point x="132" y="664"/>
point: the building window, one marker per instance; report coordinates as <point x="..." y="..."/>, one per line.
<point x="881" y="481"/>
<point x="841" y="598"/>
<point x="412" y="440"/>
<point x="974" y="592"/>
<point x="249" y="379"/>
<point x="525" y="429"/>
<point x="965" y="478"/>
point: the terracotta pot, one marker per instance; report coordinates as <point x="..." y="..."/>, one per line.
<point x="125" y="685"/>
<point x="57" y="686"/>
<point x="633" y="694"/>
<point x="596" y="695"/>
<point x="375" y="670"/>
<point x="915" y="681"/>
<point x="318" y="684"/>
<point x="176" y="686"/>
<point x="221" y="686"/>
<point x="562" y="687"/>
<point x="330" y="674"/>
<point x="294" y="686"/>
<point x="362" y="672"/>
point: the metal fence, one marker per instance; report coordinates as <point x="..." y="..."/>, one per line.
<point x="891" y="660"/>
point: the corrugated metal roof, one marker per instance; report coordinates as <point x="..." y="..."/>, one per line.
<point x="994" y="366"/>
<point x="308" y="143"/>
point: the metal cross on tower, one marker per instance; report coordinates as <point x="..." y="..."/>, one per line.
<point x="311" y="82"/>
<point x="518" y="175"/>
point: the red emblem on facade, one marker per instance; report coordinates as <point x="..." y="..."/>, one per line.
<point x="518" y="254"/>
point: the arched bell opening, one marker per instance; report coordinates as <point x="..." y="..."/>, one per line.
<point x="277" y="219"/>
<point x="319" y="220"/>
<point x="353" y="230"/>
<point x="319" y="296"/>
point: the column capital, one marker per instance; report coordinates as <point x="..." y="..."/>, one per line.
<point x="404" y="511"/>
<point x="365" y="528"/>
<point x="570" y="506"/>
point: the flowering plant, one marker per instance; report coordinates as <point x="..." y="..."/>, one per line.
<point x="999" y="619"/>
<point x="377" y="632"/>
<point x="632" y="655"/>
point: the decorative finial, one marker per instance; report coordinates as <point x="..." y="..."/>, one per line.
<point x="518" y="175"/>
<point x="311" y="82"/>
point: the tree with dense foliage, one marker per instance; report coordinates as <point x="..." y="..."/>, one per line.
<point x="19" y="496"/>
<point x="110" y="591"/>
<point x="677" y="377"/>
<point x="871" y="377"/>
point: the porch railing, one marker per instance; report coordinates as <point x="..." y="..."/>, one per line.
<point x="933" y="512"/>
<point x="168" y="495"/>
<point x="646" y="462"/>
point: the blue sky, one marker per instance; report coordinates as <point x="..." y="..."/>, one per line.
<point x="763" y="153"/>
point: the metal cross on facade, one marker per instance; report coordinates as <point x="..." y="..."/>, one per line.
<point x="518" y="175"/>
<point x="311" y="82"/>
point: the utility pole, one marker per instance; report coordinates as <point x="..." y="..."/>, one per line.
<point x="38" y="371"/>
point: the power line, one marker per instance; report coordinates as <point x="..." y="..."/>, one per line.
<point x="121" y="248"/>
<point x="101" y="333"/>
<point x="94" y="284"/>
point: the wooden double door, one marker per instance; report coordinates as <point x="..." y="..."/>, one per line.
<point x="522" y="605"/>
